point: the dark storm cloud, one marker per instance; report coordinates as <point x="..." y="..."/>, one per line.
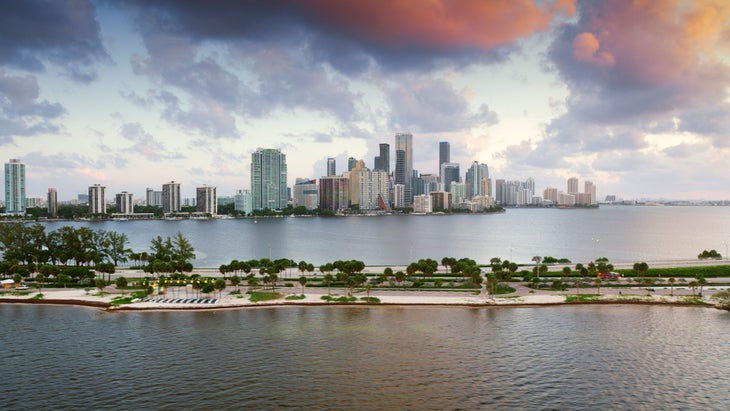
<point x="35" y="33"/>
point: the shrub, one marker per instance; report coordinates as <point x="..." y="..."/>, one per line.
<point x="296" y="297"/>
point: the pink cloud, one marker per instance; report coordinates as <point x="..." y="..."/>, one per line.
<point x="586" y="48"/>
<point x="441" y="23"/>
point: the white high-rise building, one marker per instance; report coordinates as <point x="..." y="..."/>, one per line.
<point x="573" y="185"/>
<point x="242" y="202"/>
<point x="422" y="204"/>
<point x="305" y="193"/>
<point x="268" y="179"/>
<point x="373" y="187"/>
<point x="171" y="197"/>
<point x="14" y="187"/>
<point x="97" y="203"/>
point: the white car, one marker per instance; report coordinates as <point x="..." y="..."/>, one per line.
<point x="22" y="287"/>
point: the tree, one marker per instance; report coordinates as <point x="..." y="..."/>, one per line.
<point x="701" y="282"/>
<point x="17" y="278"/>
<point x="328" y="279"/>
<point x="117" y="247"/>
<point x="302" y="282"/>
<point x="537" y="259"/>
<point x="63" y="278"/>
<point x="100" y="284"/>
<point x="400" y="276"/>
<point x="220" y="285"/>
<point x="40" y="279"/>
<point x="671" y="282"/>
<point x="566" y="271"/>
<point x="693" y="285"/>
<point x="121" y="283"/>
<point x="598" y="285"/>
<point x="208" y="287"/>
<point x="235" y="281"/>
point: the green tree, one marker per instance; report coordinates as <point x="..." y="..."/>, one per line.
<point x="17" y="278"/>
<point x="208" y="287"/>
<point x="121" y="283"/>
<point x="220" y="285"/>
<point x="63" y="278"/>
<point x="400" y="276"/>
<point x="701" y="282"/>
<point x="566" y="271"/>
<point x="40" y="279"/>
<point x="302" y="282"/>
<point x="671" y="282"/>
<point x="100" y="284"/>
<point x="598" y="285"/>
<point x="328" y="279"/>
<point x="537" y="259"/>
<point x="235" y="281"/>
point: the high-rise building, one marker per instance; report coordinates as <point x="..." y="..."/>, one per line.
<point x="404" y="175"/>
<point x="440" y="200"/>
<point x="382" y="162"/>
<point x="444" y="153"/>
<point x="354" y="184"/>
<point x="97" y="203"/>
<point x="154" y="198"/>
<point x="573" y="185"/>
<point x="449" y="173"/>
<point x="373" y="187"/>
<point x="124" y="203"/>
<point x="52" y="203"/>
<point x="14" y="187"/>
<point x="268" y="179"/>
<point x="550" y="194"/>
<point x="331" y="168"/>
<point x="242" y="202"/>
<point x="399" y="195"/>
<point x="351" y="163"/>
<point x="458" y="192"/>
<point x="205" y="199"/>
<point x="474" y="176"/>
<point x="334" y="193"/>
<point x="171" y="197"/>
<point x="306" y="193"/>
<point x="422" y="204"/>
<point x="590" y="192"/>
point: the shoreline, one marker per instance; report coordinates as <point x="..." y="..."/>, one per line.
<point x="313" y="300"/>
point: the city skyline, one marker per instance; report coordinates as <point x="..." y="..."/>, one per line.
<point x="631" y="96"/>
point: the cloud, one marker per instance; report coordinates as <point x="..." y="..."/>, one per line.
<point x="635" y="69"/>
<point x="431" y="106"/>
<point x="145" y="144"/>
<point x="35" y="33"/>
<point x="21" y="111"/>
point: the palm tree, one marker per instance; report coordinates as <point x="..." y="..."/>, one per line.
<point x="302" y="282"/>
<point x="40" y="279"/>
<point x="701" y="282"/>
<point x="598" y="285"/>
<point x="235" y="281"/>
<point x="671" y="282"/>
<point x="537" y="259"/>
<point x="328" y="279"/>
<point x="693" y="285"/>
<point x="566" y="271"/>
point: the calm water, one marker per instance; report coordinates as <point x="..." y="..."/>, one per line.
<point x="623" y="234"/>
<point x="577" y="357"/>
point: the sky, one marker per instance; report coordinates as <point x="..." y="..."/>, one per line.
<point x="632" y="95"/>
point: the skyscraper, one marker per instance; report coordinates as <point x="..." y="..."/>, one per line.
<point x="404" y="144"/>
<point x="351" y="163"/>
<point x="444" y="153"/>
<point x="97" y="203"/>
<point x="206" y="201"/>
<point x="449" y="173"/>
<point x="52" y="203"/>
<point x="171" y="197"/>
<point x="383" y="163"/>
<point x="268" y="179"/>
<point x="573" y="185"/>
<point x="331" y="169"/>
<point x="14" y="187"/>
<point x="334" y="193"/>
<point x="474" y="176"/>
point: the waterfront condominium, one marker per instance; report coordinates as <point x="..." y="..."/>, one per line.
<point x="404" y="164"/>
<point x="97" y="202"/>
<point x="14" y="187"/>
<point x="268" y="179"/>
<point x="171" y="197"/>
<point x="206" y="201"/>
<point x="124" y="203"/>
<point x="331" y="167"/>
